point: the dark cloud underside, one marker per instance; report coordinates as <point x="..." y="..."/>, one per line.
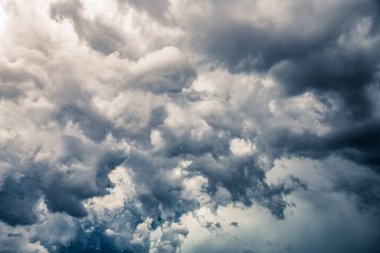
<point x="127" y="125"/>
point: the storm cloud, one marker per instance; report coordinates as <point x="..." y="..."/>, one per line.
<point x="139" y="126"/>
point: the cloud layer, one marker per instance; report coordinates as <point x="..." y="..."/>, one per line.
<point x="125" y="126"/>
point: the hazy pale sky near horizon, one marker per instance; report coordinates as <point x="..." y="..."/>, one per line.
<point x="189" y="126"/>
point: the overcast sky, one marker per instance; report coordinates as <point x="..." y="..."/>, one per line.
<point x="247" y="126"/>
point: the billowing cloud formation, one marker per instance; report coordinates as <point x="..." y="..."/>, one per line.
<point x="122" y="121"/>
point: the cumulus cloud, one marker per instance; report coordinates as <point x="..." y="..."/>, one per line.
<point x="126" y="124"/>
<point x="321" y="220"/>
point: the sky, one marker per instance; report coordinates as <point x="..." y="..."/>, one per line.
<point x="247" y="126"/>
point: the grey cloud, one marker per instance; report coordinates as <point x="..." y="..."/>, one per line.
<point x="108" y="152"/>
<point x="160" y="197"/>
<point x="17" y="242"/>
<point x="20" y="196"/>
<point x="15" y="80"/>
<point x="156" y="9"/>
<point x="100" y="36"/>
<point x="9" y="79"/>
<point x="234" y="224"/>
<point x="215" y="143"/>
<point x="170" y="240"/>
<point x="92" y="124"/>
<point x="213" y="226"/>
<point x="337" y="55"/>
<point x="65" y="191"/>
<point x="358" y="182"/>
<point x="164" y="71"/>
<point x="250" y="46"/>
<point x="355" y="142"/>
<point x="338" y="217"/>
<point x="245" y="181"/>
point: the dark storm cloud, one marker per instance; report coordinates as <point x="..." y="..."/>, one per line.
<point x="63" y="191"/>
<point x="359" y="142"/>
<point x="20" y="196"/>
<point x="112" y="130"/>
<point x="357" y="182"/>
<point x="216" y="143"/>
<point x="320" y="55"/>
<point x="356" y="141"/>
<point x="325" y="52"/>
<point x="159" y="195"/>
<point x="245" y="181"/>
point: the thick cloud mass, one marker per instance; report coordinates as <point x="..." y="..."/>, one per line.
<point x="209" y="126"/>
